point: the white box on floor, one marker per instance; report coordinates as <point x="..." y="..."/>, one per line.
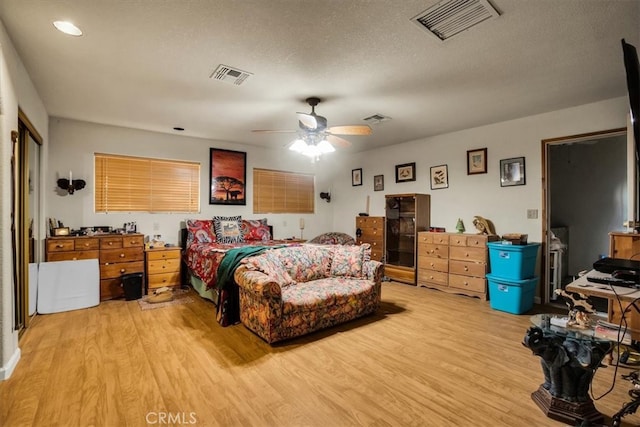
<point x="68" y="285"/>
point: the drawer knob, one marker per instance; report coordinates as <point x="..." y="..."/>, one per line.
<point x="431" y="264"/>
<point x="164" y="266"/>
<point x="59" y="246"/>
<point x="110" y="243"/>
<point x="466" y="268"/>
<point x="122" y="270"/>
<point x="467" y="255"/>
<point x="121" y="255"/>
<point x="74" y="259"/>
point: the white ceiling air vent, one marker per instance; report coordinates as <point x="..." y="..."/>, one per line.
<point x="228" y="74"/>
<point x="376" y="118"/>
<point x="450" y="17"/>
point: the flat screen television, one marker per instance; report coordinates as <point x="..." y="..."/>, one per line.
<point x="633" y="88"/>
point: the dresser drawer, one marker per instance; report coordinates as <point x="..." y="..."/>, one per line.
<point x="437" y="238"/>
<point x="466" y="253"/>
<point x="431" y="263"/>
<point x="110" y="242"/>
<point x="109" y="256"/>
<point x="467" y="268"/>
<point x="110" y="271"/>
<point x="376" y="254"/>
<point x="132" y="241"/>
<point x="73" y="255"/>
<point x="159" y="266"/>
<point x="165" y="279"/>
<point x="478" y="241"/>
<point x="433" y="250"/>
<point x="473" y="284"/>
<point x="60" y="245"/>
<point x="153" y="255"/>
<point x="431" y="276"/>
<point x="458" y="240"/>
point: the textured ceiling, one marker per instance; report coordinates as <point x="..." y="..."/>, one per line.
<point x="146" y="63"/>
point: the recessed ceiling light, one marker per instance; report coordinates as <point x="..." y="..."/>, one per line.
<point x="67" y="28"/>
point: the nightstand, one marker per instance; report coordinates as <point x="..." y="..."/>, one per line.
<point x="163" y="268"/>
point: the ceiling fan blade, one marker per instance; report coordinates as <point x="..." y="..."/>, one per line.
<point x="350" y="130"/>
<point x="308" y="120"/>
<point x="338" y="142"/>
<point x="273" y="131"/>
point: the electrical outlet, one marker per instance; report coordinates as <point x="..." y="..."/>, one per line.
<point x="532" y="213"/>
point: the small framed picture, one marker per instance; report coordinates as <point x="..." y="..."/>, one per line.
<point x="378" y="183"/>
<point x="512" y="172"/>
<point x="356" y="177"/>
<point x="406" y="172"/>
<point x="477" y="161"/>
<point x="439" y="177"/>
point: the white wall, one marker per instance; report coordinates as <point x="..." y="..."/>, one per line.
<point x="470" y="195"/>
<point x="73" y="144"/>
<point x="16" y="89"/>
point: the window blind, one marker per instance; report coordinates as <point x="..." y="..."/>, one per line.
<point x="139" y="184"/>
<point x="282" y="192"/>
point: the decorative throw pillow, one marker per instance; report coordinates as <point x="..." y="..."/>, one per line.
<point x="348" y="260"/>
<point x="255" y="229"/>
<point x="200" y="231"/>
<point x="228" y="229"/>
<point x="269" y="263"/>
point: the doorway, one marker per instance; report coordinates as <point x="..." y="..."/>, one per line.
<point x="585" y="196"/>
<point x="27" y="241"/>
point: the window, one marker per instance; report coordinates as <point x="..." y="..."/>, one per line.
<point x="282" y="192"/>
<point x="140" y="184"/>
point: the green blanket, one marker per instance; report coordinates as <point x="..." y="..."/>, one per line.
<point x="228" y="304"/>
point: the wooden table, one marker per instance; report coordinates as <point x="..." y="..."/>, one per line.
<point x="621" y="300"/>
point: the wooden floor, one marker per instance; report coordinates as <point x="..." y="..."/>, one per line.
<point x="426" y="359"/>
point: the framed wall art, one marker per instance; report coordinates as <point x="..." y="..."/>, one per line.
<point x="378" y="183"/>
<point x="228" y="176"/>
<point x="406" y="172"/>
<point x="439" y="177"/>
<point x="512" y="172"/>
<point x="356" y="177"/>
<point x="477" y="161"/>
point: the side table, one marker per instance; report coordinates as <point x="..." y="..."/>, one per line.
<point x="569" y="358"/>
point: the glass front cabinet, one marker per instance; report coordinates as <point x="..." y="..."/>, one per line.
<point x="406" y="215"/>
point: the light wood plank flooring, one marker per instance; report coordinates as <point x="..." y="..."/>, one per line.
<point x="426" y="359"/>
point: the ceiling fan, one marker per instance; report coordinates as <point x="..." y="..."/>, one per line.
<point x="313" y="128"/>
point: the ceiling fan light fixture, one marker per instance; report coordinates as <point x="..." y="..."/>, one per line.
<point x="325" y="147"/>
<point x="298" y="146"/>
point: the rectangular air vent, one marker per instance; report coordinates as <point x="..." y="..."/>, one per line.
<point x="230" y="75"/>
<point x="451" y="17"/>
<point x="376" y="118"/>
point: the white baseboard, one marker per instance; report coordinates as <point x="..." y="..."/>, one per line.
<point x="7" y="370"/>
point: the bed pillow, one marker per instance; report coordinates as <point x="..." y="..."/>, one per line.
<point x="348" y="260"/>
<point x="255" y="229"/>
<point x="200" y="231"/>
<point x="228" y="229"/>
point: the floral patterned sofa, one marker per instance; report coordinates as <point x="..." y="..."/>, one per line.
<point x="292" y="291"/>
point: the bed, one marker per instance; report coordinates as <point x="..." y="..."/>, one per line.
<point x="206" y="244"/>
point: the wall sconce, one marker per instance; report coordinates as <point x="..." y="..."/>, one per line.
<point x="71" y="185"/>
<point x="326" y="196"/>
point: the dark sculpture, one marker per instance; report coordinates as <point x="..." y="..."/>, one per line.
<point x="568" y="364"/>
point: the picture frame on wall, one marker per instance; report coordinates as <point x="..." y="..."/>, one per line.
<point x="227" y="177"/>
<point x="512" y="172"/>
<point x="378" y="183"/>
<point x="406" y="172"/>
<point x="439" y="177"/>
<point x="356" y="177"/>
<point x="477" y="161"/>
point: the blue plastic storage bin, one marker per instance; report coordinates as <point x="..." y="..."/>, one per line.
<point x="513" y="262"/>
<point x="512" y="296"/>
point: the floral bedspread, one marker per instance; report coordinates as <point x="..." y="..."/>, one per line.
<point x="203" y="259"/>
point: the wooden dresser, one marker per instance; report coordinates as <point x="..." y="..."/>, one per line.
<point x="454" y="262"/>
<point x="163" y="268"/>
<point x="117" y="254"/>
<point x="624" y="245"/>
<point x="371" y="232"/>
